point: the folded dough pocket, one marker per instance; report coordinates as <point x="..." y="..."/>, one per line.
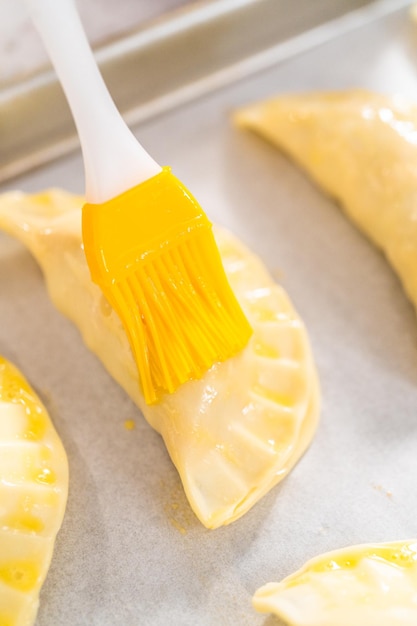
<point x="365" y="585"/>
<point x="33" y="496"/>
<point x="236" y="432"/>
<point x="361" y="148"/>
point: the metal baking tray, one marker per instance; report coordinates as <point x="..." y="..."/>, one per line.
<point x="154" y="68"/>
<point x="130" y="551"/>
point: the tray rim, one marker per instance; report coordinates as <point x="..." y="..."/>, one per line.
<point x="30" y="139"/>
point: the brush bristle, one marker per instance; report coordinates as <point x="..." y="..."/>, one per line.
<point x="181" y="313"/>
<point x="153" y="253"/>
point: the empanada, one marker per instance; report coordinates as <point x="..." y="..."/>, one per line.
<point x="361" y="148"/>
<point x="33" y="496"/>
<point x="366" y="585"/>
<point x="236" y="432"/>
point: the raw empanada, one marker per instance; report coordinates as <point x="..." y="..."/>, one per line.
<point x="366" y="585"/>
<point x="33" y="496"/>
<point x="238" y="431"/>
<point x="361" y="148"/>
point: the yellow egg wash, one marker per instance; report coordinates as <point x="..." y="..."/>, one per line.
<point x="365" y="585"/>
<point x="33" y="494"/>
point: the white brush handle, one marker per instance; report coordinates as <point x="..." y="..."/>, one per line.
<point x="114" y="160"/>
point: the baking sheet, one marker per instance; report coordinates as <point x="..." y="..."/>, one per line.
<point x="130" y="551"/>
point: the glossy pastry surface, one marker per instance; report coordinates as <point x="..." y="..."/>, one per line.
<point x="361" y="148"/>
<point x="236" y="432"/>
<point x="365" y="585"/>
<point x="33" y="495"/>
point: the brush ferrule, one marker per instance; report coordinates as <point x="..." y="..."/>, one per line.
<point x="153" y="253"/>
<point x="138" y="225"/>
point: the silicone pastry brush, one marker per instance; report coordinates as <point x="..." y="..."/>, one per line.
<point x="148" y="243"/>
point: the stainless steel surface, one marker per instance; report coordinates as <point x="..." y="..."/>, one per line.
<point x="155" y="68"/>
<point x="21" y="49"/>
<point x="120" y="558"/>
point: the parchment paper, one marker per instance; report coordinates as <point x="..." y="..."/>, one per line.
<point x="130" y="551"/>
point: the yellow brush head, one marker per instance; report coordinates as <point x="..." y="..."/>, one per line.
<point x="153" y="253"/>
